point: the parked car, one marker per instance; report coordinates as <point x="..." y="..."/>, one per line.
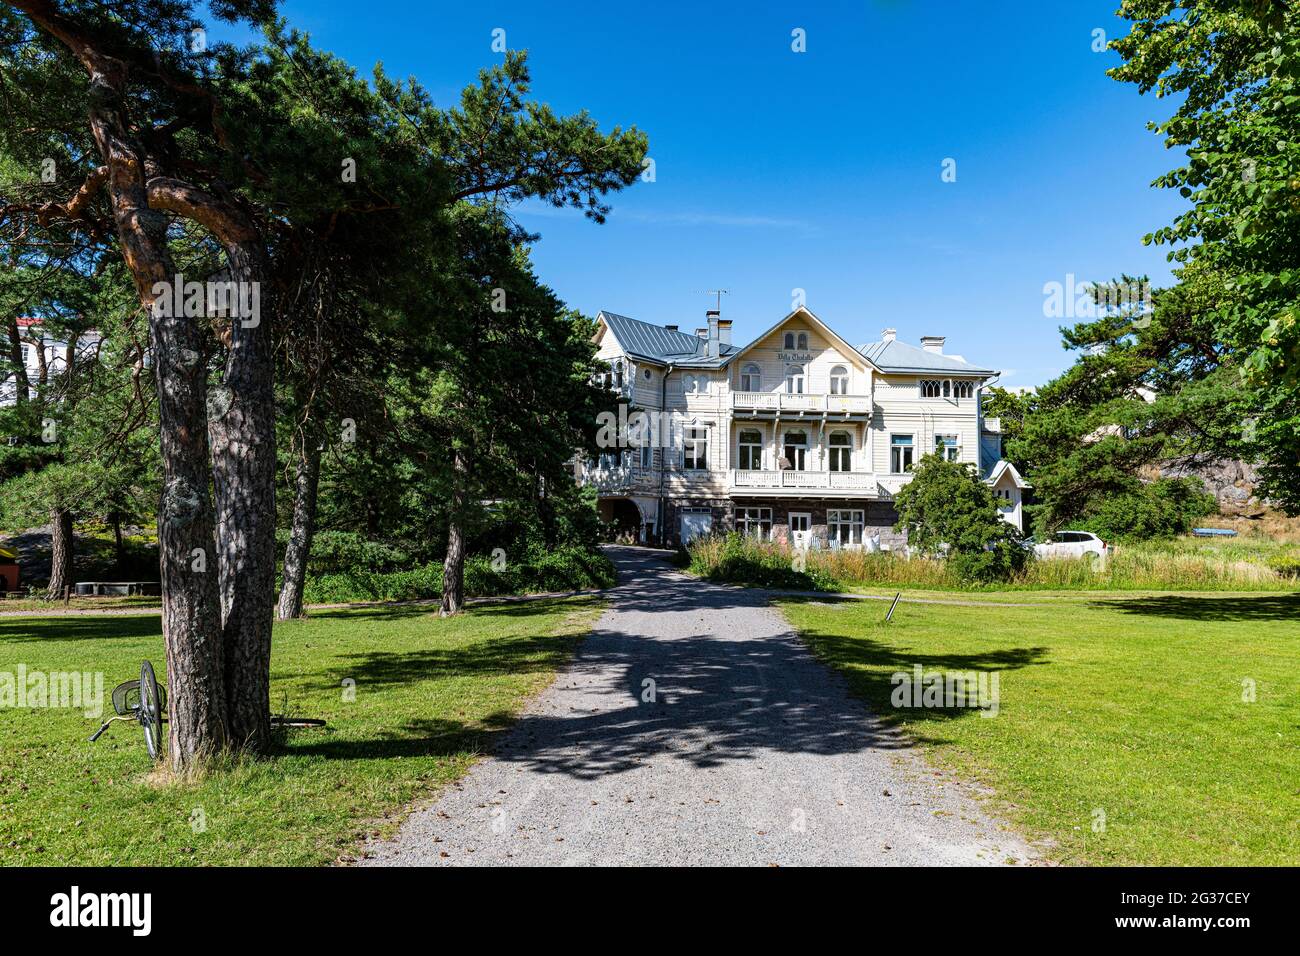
<point x="1071" y="544"/>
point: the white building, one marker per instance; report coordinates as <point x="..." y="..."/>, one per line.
<point x="798" y="435"/>
<point x="35" y="343"/>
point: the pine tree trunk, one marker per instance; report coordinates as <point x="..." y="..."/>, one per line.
<point x="60" y="552"/>
<point x="191" y="609"/>
<point x="453" y="566"/>
<point x="298" y="550"/>
<point x="119" y="549"/>
<point x="242" y="426"/>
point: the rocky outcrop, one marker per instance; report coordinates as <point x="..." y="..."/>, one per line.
<point x="1232" y="482"/>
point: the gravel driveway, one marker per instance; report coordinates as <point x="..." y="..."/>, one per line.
<point x="693" y="727"/>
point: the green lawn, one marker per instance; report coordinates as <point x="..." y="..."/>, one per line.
<point x="430" y="695"/>
<point x="1128" y="706"/>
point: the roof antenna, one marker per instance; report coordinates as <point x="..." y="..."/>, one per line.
<point x="719" y="293"/>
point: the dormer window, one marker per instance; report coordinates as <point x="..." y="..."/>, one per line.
<point x="789" y="341"/>
<point x="803" y="341"/>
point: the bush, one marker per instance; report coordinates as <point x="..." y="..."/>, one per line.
<point x="743" y="560"/>
<point x="1286" y="565"/>
<point x="1161" y="509"/>
<point x="562" y="569"/>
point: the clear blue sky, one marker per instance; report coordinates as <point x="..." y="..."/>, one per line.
<point x="821" y="170"/>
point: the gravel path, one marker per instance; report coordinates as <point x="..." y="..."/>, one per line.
<point x="751" y="752"/>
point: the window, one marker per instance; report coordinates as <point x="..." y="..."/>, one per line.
<point x="844" y="527"/>
<point x="789" y="340"/>
<point x="695" y="384"/>
<point x="754" y="521"/>
<point x="839" y="380"/>
<point x="900" y="454"/>
<point x="930" y="388"/>
<point x="841" y="451"/>
<point x="947" y="388"/>
<point x="794" y="380"/>
<point x="647" y="456"/>
<point x="803" y="341"/>
<point x="796" y="449"/>
<point x="962" y="389"/>
<point x="751" y="450"/>
<point x="751" y="379"/>
<point x="946" y="447"/>
<point x="695" y="448"/>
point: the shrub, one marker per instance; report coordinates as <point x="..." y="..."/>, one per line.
<point x="743" y="560"/>
<point x="563" y="569"/>
<point x="1286" y="565"/>
<point x="947" y="510"/>
<point x="1160" y="509"/>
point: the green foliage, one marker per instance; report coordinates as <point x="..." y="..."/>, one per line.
<point x="1234" y="66"/>
<point x="947" y="510"/>
<point x="1158" y="509"/>
<point x="1287" y="565"/>
<point x="562" y="569"/>
<point x="743" y="560"/>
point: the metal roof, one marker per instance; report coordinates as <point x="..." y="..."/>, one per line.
<point x="658" y="344"/>
<point x="896" y="356"/>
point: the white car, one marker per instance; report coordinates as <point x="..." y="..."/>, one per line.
<point x="1071" y="544"/>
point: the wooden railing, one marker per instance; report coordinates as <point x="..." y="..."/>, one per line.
<point x="805" y="402"/>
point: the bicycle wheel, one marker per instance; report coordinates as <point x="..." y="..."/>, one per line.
<point x="150" y="713"/>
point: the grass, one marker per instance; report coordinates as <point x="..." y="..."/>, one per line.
<point x="430" y="695"/>
<point x="1131" y="706"/>
<point x="1190" y="564"/>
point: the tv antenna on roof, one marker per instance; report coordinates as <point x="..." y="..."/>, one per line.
<point x="719" y="293"/>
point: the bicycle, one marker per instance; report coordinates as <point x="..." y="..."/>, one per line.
<point x="145" y="701"/>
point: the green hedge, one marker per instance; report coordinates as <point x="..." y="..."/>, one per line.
<point x="563" y="569"/>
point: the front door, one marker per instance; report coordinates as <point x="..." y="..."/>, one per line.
<point x="800" y="529"/>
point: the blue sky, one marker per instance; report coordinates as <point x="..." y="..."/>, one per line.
<point x="777" y="170"/>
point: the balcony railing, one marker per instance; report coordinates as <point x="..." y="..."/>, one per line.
<point x="803" y="402"/>
<point x="788" y="478"/>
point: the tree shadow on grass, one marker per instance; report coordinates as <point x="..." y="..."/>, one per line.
<point x="524" y="654"/>
<point x="77" y="627"/>
<point x="1270" y="607"/>
<point x="432" y="737"/>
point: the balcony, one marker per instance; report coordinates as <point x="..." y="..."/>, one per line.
<point x="858" y="483"/>
<point x="774" y="404"/>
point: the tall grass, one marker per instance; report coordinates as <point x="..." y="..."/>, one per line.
<point x="1141" y="567"/>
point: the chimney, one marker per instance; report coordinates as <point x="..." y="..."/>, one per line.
<point x="702" y="331"/>
<point x="887" y="335"/>
<point x="724" y="331"/>
<point x="932" y="343"/>
<point x="671" y="328"/>
<point x="715" y="318"/>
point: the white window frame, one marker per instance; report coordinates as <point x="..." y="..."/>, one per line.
<point x="647" y="459"/>
<point x="839" y="380"/>
<point x="795" y="463"/>
<point x="910" y="448"/>
<point x="839" y="454"/>
<point x="845" y="523"/>
<point x="949" y="450"/>
<point x="928" y="386"/>
<point x="751" y="378"/>
<point x="963" y="388"/>
<point x="741" y="445"/>
<point x="754" y="521"/>
<point x="695" y="441"/>
<point x="791" y="377"/>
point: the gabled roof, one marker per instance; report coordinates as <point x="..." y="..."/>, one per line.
<point x="896" y="356"/>
<point x="665" y="346"/>
<point x="1005" y="467"/>
<point x="804" y="312"/>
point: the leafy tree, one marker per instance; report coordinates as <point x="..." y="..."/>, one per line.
<point x="947" y="510"/>
<point x="1235" y="67"/>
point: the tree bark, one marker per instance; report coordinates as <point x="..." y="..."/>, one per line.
<point x="119" y="549"/>
<point x="453" y="566"/>
<point x="242" y="425"/>
<point x="60" y="552"/>
<point x="22" y="388"/>
<point x="190" y="599"/>
<point x="298" y="550"/>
